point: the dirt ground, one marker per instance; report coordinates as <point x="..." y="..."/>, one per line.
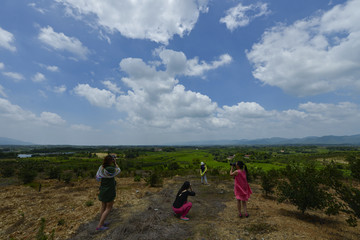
<point x="142" y="212"/>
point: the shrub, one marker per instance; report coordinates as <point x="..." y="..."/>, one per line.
<point x="89" y="203"/>
<point x="137" y="178"/>
<point x="155" y="180"/>
<point x="354" y="165"/>
<point x="269" y="181"/>
<point x="173" y="166"/>
<point x="54" y="172"/>
<point x="27" y="175"/>
<point x="303" y="187"/>
<point x="7" y="171"/>
<point x="67" y="177"/>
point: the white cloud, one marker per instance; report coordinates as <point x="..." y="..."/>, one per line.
<point x="59" y="89"/>
<point x="51" y="118"/>
<point x="112" y="86"/>
<point x="97" y="97"/>
<point x="2" y="92"/>
<point x="61" y="42"/>
<point x="6" y="40"/>
<point x="14" y="112"/>
<point x="52" y="68"/>
<point x="38" y="77"/>
<point x="157" y="20"/>
<point x="15" y="76"/>
<point x="241" y="16"/>
<point x="177" y="63"/>
<point x="2" y="66"/>
<point x="33" y="5"/>
<point x="312" y="56"/>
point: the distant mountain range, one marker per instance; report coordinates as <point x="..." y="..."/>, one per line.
<point x="10" y="141"/>
<point x="324" y="140"/>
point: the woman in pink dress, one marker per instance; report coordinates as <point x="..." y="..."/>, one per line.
<point x="242" y="189"/>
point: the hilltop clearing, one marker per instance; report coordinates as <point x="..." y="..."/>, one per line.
<point x="143" y="212"/>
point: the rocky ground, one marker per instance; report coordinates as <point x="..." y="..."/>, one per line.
<point x="142" y="212"/>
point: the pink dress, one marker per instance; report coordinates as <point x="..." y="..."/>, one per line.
<point x="242" y="189"/>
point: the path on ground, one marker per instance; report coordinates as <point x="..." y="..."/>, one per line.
<point x="156" y="220"/>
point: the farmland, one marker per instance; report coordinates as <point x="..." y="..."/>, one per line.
<point x="60" y="179"/>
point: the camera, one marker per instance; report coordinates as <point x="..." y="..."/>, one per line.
<point x="233" y="164"/>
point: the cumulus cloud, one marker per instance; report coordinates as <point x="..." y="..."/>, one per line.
<point x="7" y="40"/>
<point x="52" y="68"/>
<point x="112" y="86"/>
<point x="15" y="76"/>
<point x="311" y="56"/>
<point x="241" y="16"/>
<point x="14" y="112"/>
<point x="61" y="42"/>
<point x="97" y="97"/>
<point x="59" y="89"/>
<point x="177" y="64"/>
<point x="51" y="118"/>
<point x="38" y="77"/>
<point x="156" y="20"/>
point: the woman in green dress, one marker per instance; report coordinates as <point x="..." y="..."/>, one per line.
<point x="106" y="174"/>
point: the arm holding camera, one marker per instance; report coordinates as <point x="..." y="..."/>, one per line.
<point x="233" y="173"/>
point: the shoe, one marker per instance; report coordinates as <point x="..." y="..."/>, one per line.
<point x="240" y="215"/>
<point x="102" y="228"/>
<point x="247" y="215"/>
<point x="184" y="218"/>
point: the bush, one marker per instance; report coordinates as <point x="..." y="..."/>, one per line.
<point x="7" y="171"/>
<point x="27" y="175"/>
<point x="155" y="180"/>
<point x="269" y="181"/>
<point x="354" y="165"/>
<point x="303" y="187"/>
<point x="67" y="177"/>
<point x="173" y="166"/>
<point x="89" y="203"/>
<point x="54" y="172"/>
<point x="137" y="178"/>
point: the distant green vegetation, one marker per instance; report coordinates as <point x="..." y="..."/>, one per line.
<point x="310" y="177"/>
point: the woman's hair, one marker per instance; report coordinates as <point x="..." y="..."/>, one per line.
<point x="242" y="165"/>
<point x="108" y="160"/>
<point x="185" y="186"/>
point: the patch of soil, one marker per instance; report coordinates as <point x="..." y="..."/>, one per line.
<point x="142" y="212"/>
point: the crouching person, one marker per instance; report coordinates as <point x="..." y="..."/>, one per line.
<point x="181" y="206"/>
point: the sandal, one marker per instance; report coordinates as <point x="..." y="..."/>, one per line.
<point x="102" y="228"/>
<point x="240" y="215"/>
<point x="247" y="215"/>
<point x="184" y="218"/>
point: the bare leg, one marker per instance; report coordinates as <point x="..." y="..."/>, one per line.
<point x="239" y="206"/>
<point x="245" y="207"/>
<point x="105" y="213"/>
<point x="103" y="207"/>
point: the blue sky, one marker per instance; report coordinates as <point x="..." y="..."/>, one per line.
<point x="138" y="72"/>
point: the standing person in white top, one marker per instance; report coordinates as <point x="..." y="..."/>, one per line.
<point x="203" y="170"/>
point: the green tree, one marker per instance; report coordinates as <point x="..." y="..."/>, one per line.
<point x="354" y="165"/>
<point x="269" y="181"/>
<point x="303" y="187"/>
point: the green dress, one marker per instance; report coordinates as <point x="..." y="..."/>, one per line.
<point x="107" y="187"/>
